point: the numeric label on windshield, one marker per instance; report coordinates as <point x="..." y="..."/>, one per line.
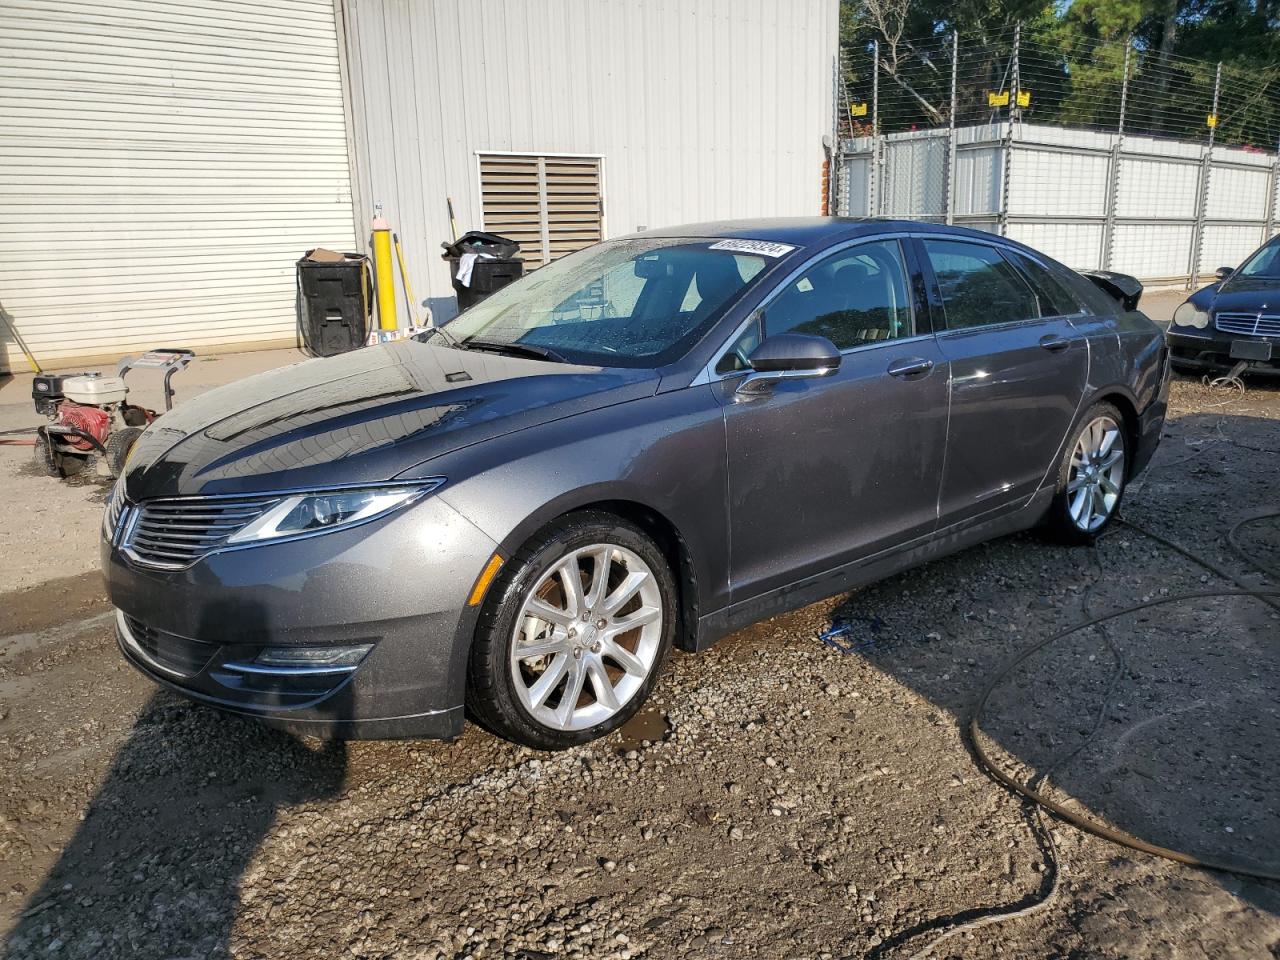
<point x="764" y="248"/>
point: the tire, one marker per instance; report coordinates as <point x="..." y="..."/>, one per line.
<point x="46" y="459"/>
<point x="503" y="691"/>
<point x="75" y="464"/>
<point x="1091" y="478"/>
<point x="118" y="445"/>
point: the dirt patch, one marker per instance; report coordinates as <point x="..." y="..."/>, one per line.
<point x="796" y="799"/>
<point x="54" y="602"/>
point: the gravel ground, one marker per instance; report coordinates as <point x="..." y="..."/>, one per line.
<point x="783" y="799"/>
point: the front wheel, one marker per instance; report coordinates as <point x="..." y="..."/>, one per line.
<point x="573" y="641"/>
<point x="1092" y="477"/>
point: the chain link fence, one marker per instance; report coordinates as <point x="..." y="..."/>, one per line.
<point x="1102" y="154"/>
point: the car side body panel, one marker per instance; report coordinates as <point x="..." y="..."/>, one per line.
<point x="663" y="453"/>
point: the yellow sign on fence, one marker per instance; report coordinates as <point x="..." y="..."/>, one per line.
<point x="857" y="109"/>
<point x="1211" y="120"/>
<point x="1001" y="99"/>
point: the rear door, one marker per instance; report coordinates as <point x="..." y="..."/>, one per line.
<point x="1018" y="372"/>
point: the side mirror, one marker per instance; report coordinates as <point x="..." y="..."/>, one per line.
<point x="789" y="356"/>
<point x="1223" y="272"/>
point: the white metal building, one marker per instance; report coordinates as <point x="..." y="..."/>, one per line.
<point x="163" y="163"/>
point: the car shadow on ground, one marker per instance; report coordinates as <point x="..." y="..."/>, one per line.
<point x="1185" y="755"/>
<point x="172" y="830"/>
<point x="1162" y="724"/>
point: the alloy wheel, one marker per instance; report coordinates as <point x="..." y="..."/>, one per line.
<point x="1096" y="475"/>
<point x="587" y="637"/>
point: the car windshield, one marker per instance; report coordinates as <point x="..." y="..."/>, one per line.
<point x="624" y="303"/>
<point x="1264" y="264"/>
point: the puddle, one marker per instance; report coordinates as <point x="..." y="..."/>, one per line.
<point x="649" y="723"/>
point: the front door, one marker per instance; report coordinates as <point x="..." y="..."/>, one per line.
<point x="830" y="470"/>
<point x="1018" y="372"/>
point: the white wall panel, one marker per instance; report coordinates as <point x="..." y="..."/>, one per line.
<point x="978" y="180"/>
<point x="1226" y="245"/>
<point x="1157" y="188"/>
<point x="1056" y="183"/>
<point x="1152" y="251"/>
<point x="1238" y="194"/>
<point x="163" y="163"/>
<point x="700" y="109"/>
<point x="1078" y="245"/>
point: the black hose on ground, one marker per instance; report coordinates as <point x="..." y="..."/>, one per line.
<point x="1271" y="596"/>
<point x="984" y="916"/>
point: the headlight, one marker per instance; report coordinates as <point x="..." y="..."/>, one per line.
<point x="324" y="510"/>
<point x="1188" y="316"/>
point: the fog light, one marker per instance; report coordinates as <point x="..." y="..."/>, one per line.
<point x="346" y="657"/>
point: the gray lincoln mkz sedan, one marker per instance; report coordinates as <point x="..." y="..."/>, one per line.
<point x="654" y="441"/>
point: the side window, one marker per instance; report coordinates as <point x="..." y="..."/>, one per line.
<point x="979" y="287"/>
<point x="855" y="297"/>
<point x="1056" y="300"/>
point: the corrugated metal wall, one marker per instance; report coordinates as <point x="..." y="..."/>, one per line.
<point x="700" y="109"/>
<point x="1056" y="197"/>
<point x="163" y="163"/>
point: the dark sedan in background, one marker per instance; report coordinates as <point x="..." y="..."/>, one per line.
<point x="651" y="442"/>
<point x="1233" y="321"/>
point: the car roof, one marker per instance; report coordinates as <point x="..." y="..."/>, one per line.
<point x="805" y="231"/>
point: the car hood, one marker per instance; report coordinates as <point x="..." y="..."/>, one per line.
<point x="1239" y="295"/>
<point x="360" y="417"/>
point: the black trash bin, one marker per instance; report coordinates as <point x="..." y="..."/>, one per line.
<point x="497" y="264"/>
<point x="335" y="300"/>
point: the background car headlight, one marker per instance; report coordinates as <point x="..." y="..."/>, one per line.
<point x="1188" y="315"/>
<point x="324" y="510"/>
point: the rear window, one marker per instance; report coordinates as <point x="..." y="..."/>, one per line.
<point x="979" y="287"/>
<point x="1056" y="300"/>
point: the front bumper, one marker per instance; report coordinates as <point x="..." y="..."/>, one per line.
<point x="1212" y="351"/>
<point x="399" y="583"/>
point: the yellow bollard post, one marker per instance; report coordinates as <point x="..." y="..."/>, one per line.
<point x="383" y="273"/>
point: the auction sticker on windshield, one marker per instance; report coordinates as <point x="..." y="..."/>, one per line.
<point x="762" y="247"/>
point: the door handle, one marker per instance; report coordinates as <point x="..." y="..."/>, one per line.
<point x="1054" y="343"/>
<point x="910" y="367"/>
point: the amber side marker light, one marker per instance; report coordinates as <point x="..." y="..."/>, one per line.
<point x="486" y="577"/>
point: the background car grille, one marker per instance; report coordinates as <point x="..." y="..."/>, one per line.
<point x="1249" y="324"/>
<point x="177" y="533"/>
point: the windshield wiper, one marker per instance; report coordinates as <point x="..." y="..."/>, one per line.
<point x="514" y="349"/>
<point x="449" y="338"/>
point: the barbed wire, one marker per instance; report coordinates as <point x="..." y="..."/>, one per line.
<point x="1061" y="78"/>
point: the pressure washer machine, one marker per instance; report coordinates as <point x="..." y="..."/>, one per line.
<point x="91" y="414"/>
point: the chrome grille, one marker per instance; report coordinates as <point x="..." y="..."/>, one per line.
<point x="1249" y="324"/>
<point x="176" y="533"/>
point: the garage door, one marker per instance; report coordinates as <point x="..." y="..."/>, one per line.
<point x="163" y="163"/>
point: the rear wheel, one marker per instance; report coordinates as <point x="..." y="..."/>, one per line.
<point x="1092" y="477"/>
<point x="573" y="640"/>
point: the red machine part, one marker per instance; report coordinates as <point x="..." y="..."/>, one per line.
<point x="91" y="420"/>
